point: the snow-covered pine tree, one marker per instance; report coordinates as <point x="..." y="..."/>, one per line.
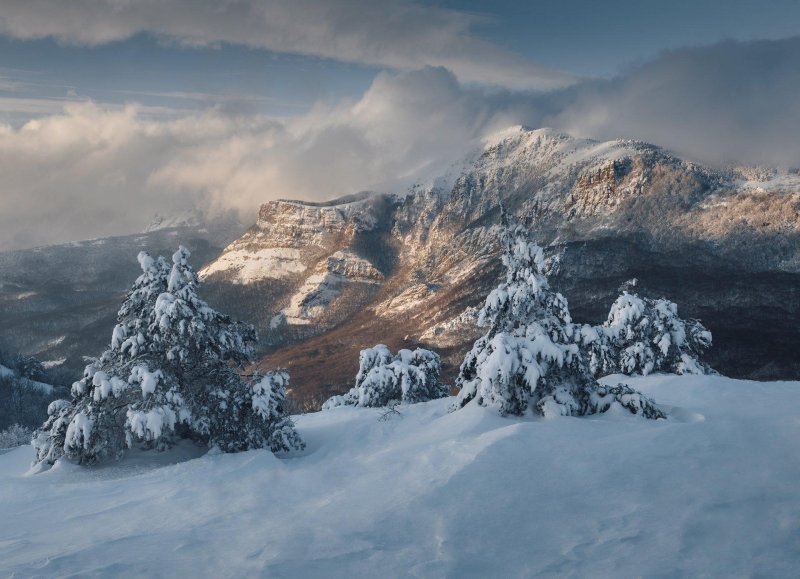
<point x="269" y="409"/>
<point x="171" y="371"/>
<point x="529" y="359"/>
<point x="407" y="378"/>
<point x="644" y="335"/>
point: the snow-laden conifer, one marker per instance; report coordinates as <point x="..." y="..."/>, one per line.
<point x="529" y="358"/>
<point x="644" y="335"/>
<point x="171" y="371"/>
<point x="407" y="377"/>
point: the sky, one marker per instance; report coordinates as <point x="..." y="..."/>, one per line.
<point x="114" y="110"/>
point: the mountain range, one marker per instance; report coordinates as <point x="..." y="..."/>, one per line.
<point x="322" y="280"/>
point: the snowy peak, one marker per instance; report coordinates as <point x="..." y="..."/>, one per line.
<point x="411" y="267"/>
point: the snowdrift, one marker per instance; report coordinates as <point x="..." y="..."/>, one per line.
<point x="710" y="491"/>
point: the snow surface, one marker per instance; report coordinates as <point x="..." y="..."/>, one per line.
<point x="251" y="266"/>
<point x="710" y="492"/>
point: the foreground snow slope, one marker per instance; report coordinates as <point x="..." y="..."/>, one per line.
<point x="712" y="491"/>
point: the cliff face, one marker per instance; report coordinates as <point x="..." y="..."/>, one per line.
<point x="309" y="266"/>
<point x="408" y="269"/>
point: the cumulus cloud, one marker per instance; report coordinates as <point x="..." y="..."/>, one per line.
<point x="400" y="34"/>
<point x="95" y="171"/>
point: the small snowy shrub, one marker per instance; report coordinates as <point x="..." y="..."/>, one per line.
<point x="602" y="398"/>
<point x="529" y="358"/>
<point x="15" y="435"/>
<point x="171" y="371"/>
<point x="407" y="377"/>
<point x="643" y="335"/>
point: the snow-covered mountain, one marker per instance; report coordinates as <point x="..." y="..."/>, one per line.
<point x="722" y="243"/>
<point x="323" y="280"/>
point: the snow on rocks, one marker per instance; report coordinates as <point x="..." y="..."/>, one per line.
<point x="323" y="286"/>
<point x="285" y="233"/>
<point x="245" y="266"/>
<point x="451" y="332"/>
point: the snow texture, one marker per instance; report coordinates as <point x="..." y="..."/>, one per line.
<point x="247" y="267"/>
<point x="710" y="492"/>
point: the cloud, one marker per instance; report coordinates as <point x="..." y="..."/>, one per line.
<point x="83" y="173"/>
<point x="399" y="34"/>
<point x="94" y="171"/>
<point x="730" y="102"/>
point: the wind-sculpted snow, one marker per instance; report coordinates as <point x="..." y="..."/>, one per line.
<point x="712" y="491"/>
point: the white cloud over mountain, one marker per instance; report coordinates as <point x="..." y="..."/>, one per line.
<point x="733" y="101"/>
<point x="93" y="170"/>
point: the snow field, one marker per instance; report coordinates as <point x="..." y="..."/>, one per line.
<point x="712" y="491"/>
<point x="252" y="266"/>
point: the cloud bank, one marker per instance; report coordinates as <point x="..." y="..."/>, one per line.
<point x="93" y="171"/>
<point x="399" y="34"/>
<point x="730" y="102"/>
